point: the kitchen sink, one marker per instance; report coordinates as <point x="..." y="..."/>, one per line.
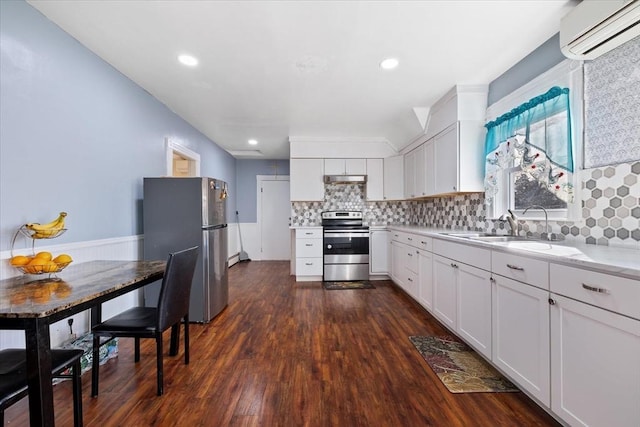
<point x="469" y="234"/>
<point x="494" y="238"/>
<point x="486" y="237"/>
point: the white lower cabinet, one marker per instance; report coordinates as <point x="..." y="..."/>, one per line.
<point x="425" y="279"/>
<point x="378" y="252"/>
<point x="474" y="308"/>
<point x="397" y="259"/>
<point x="308" y="253"/>
<point x="595" y="365"/>
<point x="444" y="290"/>
<point x="521" y="335"/>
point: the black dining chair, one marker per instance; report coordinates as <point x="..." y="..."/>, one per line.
<point x="151" y="322"/>
<point x="13" y="377"/>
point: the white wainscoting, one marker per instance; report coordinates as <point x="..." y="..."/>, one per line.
<point x="251" y="240"/>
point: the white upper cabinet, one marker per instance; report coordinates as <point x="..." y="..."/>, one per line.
<point x="306" y="179"/>
<point x="345" y="166"/>
<point x="445" y="148"/>
<point x="456" y="131"/>
<point x="415" y="173"/>
<point x="375" y="179"/>
<point x="393" y="178"/>
<point x="410" y="175"/>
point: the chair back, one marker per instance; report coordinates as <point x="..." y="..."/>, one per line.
<point x="175" y="292"/>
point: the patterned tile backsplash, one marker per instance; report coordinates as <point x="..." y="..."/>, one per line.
<point x="610" y="210"/>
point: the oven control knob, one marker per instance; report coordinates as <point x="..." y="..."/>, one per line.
<point x="329" y="246"/>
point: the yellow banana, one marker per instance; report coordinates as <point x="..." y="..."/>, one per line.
<point x="56" y="224"/>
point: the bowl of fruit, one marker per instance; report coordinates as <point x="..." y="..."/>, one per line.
<point x="42" y="262"/>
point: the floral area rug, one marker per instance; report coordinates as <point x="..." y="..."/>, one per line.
<point x="348" y="285"/>
<point x="460" y="368"/>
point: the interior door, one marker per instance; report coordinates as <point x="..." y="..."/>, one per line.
<point x="274" y="220"/>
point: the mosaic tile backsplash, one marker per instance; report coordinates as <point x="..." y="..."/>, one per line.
<point x="610" y="210"/>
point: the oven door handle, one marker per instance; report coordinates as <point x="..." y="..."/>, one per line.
<point x="346" y="234"/>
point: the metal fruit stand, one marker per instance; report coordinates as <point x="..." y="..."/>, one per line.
<point x="33" y="236"/>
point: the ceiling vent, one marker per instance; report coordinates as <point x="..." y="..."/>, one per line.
<point x="595" y="27"/>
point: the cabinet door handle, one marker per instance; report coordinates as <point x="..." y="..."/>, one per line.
<point x="454" y="265"/>
<point x="596" y="289"/>
<point x="410" y="279"/>
<point x="409" y="239"/>
<point x="410" y="254"/>
<point x="423" y="242"/>
<point x="515" y="267"/>
<point x="308" y="263"/>
<point x="308" y="244"/>
<point x="308" y="233"/>
<point x="552" y="301"/>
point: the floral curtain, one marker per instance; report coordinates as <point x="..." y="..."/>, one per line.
<point x="535" y="137"/>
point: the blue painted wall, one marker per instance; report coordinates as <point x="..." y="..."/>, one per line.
<point x="78" y="136"/>
<point x="246" y="172"/>
<point x="543" y="58"/>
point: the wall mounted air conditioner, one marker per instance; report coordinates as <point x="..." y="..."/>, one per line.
<point x="595" y="27"/>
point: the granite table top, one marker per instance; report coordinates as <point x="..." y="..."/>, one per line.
<point x="31" y="296"/>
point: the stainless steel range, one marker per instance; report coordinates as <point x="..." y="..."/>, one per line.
<point x="345" y="246"/>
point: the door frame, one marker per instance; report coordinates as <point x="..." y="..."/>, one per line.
<point x="259" y="180"/>
<point x="173" y="146"/>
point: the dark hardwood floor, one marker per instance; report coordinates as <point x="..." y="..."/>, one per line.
<point x="292" y="354"/>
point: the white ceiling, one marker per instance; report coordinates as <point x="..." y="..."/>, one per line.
<point x="274" y="69"/>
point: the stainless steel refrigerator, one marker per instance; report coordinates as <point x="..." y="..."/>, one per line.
<point x="179" y="213"/>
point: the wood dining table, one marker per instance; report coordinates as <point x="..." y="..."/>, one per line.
<point x="32" y="304"/>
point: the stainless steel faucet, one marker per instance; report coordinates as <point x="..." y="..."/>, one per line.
<point x="546" y="218"/>
<point x="513" y="221"/>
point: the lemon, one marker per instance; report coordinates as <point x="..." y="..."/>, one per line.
<point x="44" y="255"/>
<point x="62" y="259"/>
<point x="20" y="260"/>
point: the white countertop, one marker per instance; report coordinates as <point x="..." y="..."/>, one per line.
<point x="619" y="261"/>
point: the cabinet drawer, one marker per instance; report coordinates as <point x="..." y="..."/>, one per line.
<point x="399" y="236"/>
<point x="411" y="259"/>
<point x="309" y="266"/>
<point x="618" y="294"/>
<point x="309" y="233"/>
<point x="423" y="242"/>
<point x="308" y="248"/>
<point x="477" y="257"/>
<point x="410" y="239"/>
<point x="531" y="271"/>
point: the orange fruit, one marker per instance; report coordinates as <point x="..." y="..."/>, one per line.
<point x="36" y="265"/>
<point x="44" y="255"/>
<point x="20" y="260"/>
<point x="50" y="267"/>
<point x="62" y="259"/>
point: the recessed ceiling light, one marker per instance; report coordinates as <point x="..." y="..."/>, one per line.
<point x="253" y="142"/>
<point x="389" y="64"/>
<point x="188" y="60"/>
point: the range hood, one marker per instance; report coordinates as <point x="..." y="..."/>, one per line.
<point x="345" y="179"/>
